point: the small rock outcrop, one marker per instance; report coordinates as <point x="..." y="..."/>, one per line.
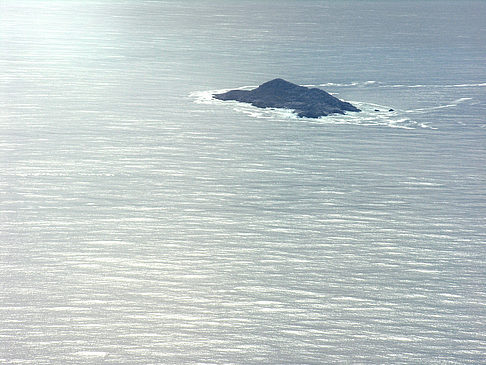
<point x="278" y="93"/>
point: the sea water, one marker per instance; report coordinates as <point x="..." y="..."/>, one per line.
<point x="142" y="222"/>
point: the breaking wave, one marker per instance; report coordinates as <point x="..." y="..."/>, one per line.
<point x="370" y="115"/>
<point x="378" y="84"/>
<point x="452" y="104"/>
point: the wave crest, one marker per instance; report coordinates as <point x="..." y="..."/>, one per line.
<point x="370" y="115"/>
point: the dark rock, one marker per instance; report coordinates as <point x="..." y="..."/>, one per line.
<point x="278" y="93"/>
<point x="390" y="110"/>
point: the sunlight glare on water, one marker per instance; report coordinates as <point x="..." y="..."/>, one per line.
<point x="143" y="222"/>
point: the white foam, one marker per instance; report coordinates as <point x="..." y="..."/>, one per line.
<point x="373" y="83"/>
<point x="483" y="84"/>
<point x="206" y="97"/>
<point x="447" y="86"/>
<point x="369" y="116"/>
<point x="459" y="101"/>
<point x="338" y="84"/>
<point x="451" y="104"/>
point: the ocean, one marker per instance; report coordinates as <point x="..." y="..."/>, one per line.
<point x="143" y="222"/>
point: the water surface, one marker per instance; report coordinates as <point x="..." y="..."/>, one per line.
<point x="141" y="222"/>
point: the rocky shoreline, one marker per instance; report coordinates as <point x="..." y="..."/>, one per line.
<point x="279" y="93"/>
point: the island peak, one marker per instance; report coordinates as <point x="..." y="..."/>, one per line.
<point x="278" y="83"/>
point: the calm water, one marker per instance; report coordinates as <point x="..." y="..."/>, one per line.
<point x="143" y="223"/>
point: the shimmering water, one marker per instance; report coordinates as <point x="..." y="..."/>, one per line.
<point x="142" y="222"/>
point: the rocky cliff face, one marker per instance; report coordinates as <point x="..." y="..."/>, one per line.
<point x="278" y="93"/>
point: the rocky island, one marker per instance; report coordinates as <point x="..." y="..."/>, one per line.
<point x="278" y="93"/>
